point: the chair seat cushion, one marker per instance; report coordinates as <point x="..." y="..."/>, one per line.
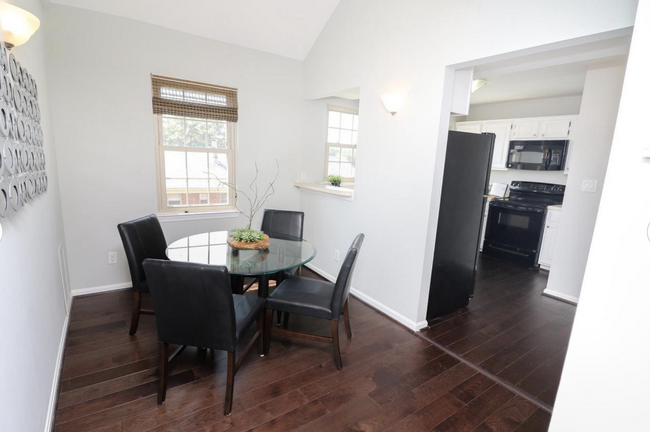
<point x="247" y="309"/>
<point x="304" y="296"/>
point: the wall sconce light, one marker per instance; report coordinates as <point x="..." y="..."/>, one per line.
<point x="477" y="84"/>
<point x="17" y="25"/>
<point x="393" y="102"/>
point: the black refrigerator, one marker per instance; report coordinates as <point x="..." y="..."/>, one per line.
<point x="462" y="203"/>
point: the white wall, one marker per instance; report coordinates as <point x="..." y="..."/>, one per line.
<point x="32" y="310"/>
<point x="383" y="46"/>
<point x="605" y="378"/>
<point x="100" y="71"/>
<point x="589" y="158"/>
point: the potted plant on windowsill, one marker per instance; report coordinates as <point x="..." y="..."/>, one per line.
<point x="247" y="238"/>
<point x="335" y="180"/>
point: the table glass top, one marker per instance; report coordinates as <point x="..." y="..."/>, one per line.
<point x="212" y="248"/>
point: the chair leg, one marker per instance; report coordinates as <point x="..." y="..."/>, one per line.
<point x="230" y="384"/>
<point x="262" y="337"/>
<point x="267" y="331"/>
<point x="285" y="323"/>
<point x="163" y="353"/>
<point x="135" y="316"/>
<point x="279" y="318"/>
<point x="335" y="344"/>
<point x="346" y="319"/>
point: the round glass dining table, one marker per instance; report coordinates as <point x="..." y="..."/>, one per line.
<point x="212" y="248"/>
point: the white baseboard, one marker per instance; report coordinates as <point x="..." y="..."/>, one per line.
<point x="410" y="324"/>
<point x="100" y="289"/>
<point x="561" y="296"/>
<point x="49" y="420"/>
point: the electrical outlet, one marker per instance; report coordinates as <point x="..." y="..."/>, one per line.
<point x="112" y="257"/>
<point x="303" y="175"/>
<point x="589" y="186"/>
<point x="336" y="255"/>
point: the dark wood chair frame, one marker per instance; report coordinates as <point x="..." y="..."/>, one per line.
<point x="333" y="339"/>
<point x="233" y="364"/>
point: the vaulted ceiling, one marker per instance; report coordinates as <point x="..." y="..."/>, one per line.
<point x="287" y="28"/>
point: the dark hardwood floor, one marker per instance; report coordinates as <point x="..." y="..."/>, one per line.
<point x="391" y="380"/>
<point x="510" y="330"/>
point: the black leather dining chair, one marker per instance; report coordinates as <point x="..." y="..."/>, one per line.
<point x="285" y="225"/>
<point x="195" y="306"/>
<point x="316" y="298"/>
<point x="142" y="238"/>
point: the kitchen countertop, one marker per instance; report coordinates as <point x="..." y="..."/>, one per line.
<point x="555" y="207"/>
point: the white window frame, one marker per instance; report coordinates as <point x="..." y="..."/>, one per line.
<point x="347" y="110"/>
<point x="230" y="153"/>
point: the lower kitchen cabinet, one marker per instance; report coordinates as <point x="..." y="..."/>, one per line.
<point x="550" y="234"/>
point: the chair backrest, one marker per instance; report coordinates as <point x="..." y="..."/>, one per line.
<point x="344" y="279"/>
<point x="142" y="238"/>
<point x="283" y="224"/>
<point x="193" y="303"/>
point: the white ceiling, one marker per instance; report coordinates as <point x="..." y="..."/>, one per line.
<point x="558" y="72"/>
<point x="563" y="80"/>
<point x="288" y="28"/>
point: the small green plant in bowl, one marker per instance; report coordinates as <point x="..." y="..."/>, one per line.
<point x="246" y="235"/>
<point x="335" y="180"/>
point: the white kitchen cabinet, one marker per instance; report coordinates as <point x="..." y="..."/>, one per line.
<point x="556" y="128"/>
<point x="472" y="127"/>
<point x="501" y="142"/>
<point x="525" y="128"/>
<point x="551" y="227"/>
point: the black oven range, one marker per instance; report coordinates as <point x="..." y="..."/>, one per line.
<point x="515" y="224"/>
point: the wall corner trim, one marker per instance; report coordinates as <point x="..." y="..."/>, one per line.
<point x="100" y="289"/>
<point x="58" y="368"/>
<point x="410" y="324"/>
<point x="561" y="296"/>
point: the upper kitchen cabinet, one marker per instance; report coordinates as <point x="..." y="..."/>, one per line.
<point x="501" y="141"/>
<point x="525" y="128"/>
<point x="472" y="127"/>
<point x="543" y="127"/>
<point x="556" y="127"/>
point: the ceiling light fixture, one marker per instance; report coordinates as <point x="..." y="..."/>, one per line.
<point x="393" y="101"/>
<point x="17" y="25"/>
<point x="477" y="84"/>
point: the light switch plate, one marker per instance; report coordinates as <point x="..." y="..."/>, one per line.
<point x="589" y="186"/>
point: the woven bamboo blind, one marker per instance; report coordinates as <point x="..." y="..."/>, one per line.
<point x="173" y="96"/>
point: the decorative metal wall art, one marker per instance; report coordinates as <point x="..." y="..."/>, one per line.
<point x="22" y="159"/>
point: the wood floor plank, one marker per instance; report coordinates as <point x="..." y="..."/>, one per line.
<point x="429" y="416"/>
<point x="293" y="420"/>
<point x="473" y="414"/>
<point x="342" y="417"/>
<point x="539" y="421"/>
<point x="393" y="390"/>
<point x="509" y="417"/>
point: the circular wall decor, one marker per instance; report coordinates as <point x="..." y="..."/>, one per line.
<point x="4" y="200"/>
<point x="22" y="157"/>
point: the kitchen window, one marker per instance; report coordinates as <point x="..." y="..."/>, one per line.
<point x="341" y="148"/>
<point x="195" y="145"/>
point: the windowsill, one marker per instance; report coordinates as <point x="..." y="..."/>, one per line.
<point x="333" y="191"/>
<point x="183" y="217"/>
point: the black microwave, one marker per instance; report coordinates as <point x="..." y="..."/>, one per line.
<point x="538" y="155"/>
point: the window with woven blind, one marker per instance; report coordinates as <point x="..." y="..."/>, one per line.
<point x="195" y="134"/>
